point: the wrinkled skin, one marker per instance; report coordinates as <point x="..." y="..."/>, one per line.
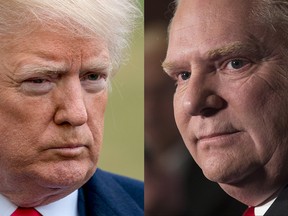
<point x="53" y="92"/>
<point x="231" y="99"/>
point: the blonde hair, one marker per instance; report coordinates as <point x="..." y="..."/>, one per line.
<point x="113" y="20"/>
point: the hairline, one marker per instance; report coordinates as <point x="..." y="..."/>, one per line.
<point x="116" y="31"/>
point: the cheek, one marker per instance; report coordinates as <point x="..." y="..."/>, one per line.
<point x="21" y="123"/>
<point x="259" y="109"/>
<point x="96" y="112"/>
<point x="20" y="145"/>
<point x="96" y="108"/>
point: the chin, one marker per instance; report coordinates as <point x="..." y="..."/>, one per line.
<point x="219" y="173"/>
<point x="65" y="175"/>
<point x="219" y="176"/>
<point x="225" y="175"/>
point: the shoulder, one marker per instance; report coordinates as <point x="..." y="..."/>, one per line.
<point x="113" y="194"/>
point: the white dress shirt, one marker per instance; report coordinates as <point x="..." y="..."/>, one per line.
<point x="66" y="206"/>
<point x="261" y="210"/>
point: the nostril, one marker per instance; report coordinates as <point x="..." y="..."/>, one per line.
<point x="207" y="112"/>
<point x="210" y="111"/>
<point x="64" y="123"/>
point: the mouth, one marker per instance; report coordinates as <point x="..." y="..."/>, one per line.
<point x="219" y="134"/>
<point x="69" y="150"/>
<point x="219" y="137"/>
<point x="68" y="146"/>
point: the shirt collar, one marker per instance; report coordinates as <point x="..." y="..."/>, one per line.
<point x="261" y="210"/>
<point x="64" y="206"/>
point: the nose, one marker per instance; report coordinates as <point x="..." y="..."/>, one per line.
<point x="71" y="105"/>
<point x="201" y="96"/>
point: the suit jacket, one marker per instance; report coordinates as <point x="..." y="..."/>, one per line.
<point x="280" y="206"/>
<point x="110" y="195"/>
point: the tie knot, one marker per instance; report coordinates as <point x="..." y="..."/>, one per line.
<point x="249" y="212"/>
<point x="25" y="212"/>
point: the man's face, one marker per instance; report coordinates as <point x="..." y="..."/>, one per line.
<point x="53" y="92"/>
<point x="232" y="95"/>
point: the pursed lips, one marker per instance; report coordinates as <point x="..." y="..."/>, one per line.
<point x="216" y="134"/>
<point x="68" y="146"/>
<point x="68" y="150"/>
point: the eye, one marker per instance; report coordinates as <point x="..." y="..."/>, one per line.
<point x="185" y="75"/>
<point x="93" y="76"/>
<point x="37" y="81"/>
<point x="37" y="86"/>
<point x="236" y="64"/>
<point x="94" y="82"/>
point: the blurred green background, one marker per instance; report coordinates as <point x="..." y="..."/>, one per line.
<point x="123" y="148"/>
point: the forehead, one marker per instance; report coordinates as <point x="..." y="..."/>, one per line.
<point x="57" y="44"/>
<point x="211" y="9"/>
<point x="54" y="51"/>
<point x="205" y="24"/>
<point x="206" y="15"/>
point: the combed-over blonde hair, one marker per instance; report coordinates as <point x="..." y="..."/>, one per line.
<point x="112" y="20"/>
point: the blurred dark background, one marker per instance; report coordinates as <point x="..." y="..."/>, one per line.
<point x="159" y="10"/>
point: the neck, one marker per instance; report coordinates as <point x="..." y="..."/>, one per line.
<point x="251" y="195"/>
<point x="256" y="189"/>
<point x="260" y="186"/>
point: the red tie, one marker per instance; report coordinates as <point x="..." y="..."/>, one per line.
<point x="25" y="212"/>
<point x="249" y="212"/>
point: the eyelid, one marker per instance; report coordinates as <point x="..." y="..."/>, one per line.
<point x="223" y="65"/>
<point x="48" y="75"/>
<point x="103" y="75"/>
<point x="33" y="88"/>
<point x="179" y="80"/>
<point x="176" y="72"/>
<point x="41" y="76"/>
<point x="94" y="86"/>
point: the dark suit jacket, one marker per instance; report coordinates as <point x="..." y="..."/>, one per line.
<point x="110" y="195"/>
<point x="280" y="205"/>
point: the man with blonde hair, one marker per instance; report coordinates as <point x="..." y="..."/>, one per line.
<point x="57" y="58"/>
<point x="229" y="60"/>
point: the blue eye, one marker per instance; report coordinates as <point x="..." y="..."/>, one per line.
<point x="93" y="76"/>
<point x="236" y="64"/>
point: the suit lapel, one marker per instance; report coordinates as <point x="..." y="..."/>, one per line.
<point x="81" y="203"/>
<point x="102" y="196"/>
<point x="280" y="205"/>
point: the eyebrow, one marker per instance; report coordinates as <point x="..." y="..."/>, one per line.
<point x="235" y="48"/>
<point x="98" y="64"/>
<point x="52" y="67"/>
<point x="169" y="66"/>
<point x="49" y="67"/>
